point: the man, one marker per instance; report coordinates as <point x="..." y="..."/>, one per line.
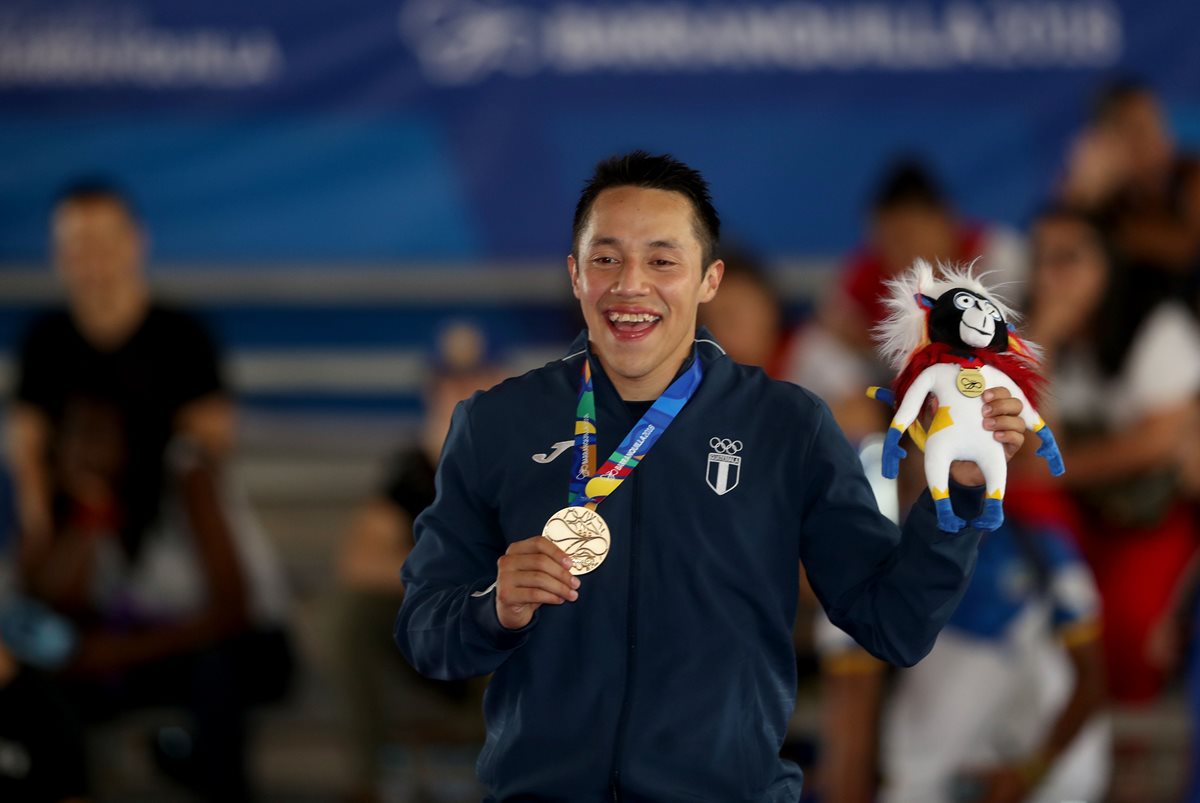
<point x="667" y="673"/>
<point x="127" y="524"/>
<point x="111" y="341"/>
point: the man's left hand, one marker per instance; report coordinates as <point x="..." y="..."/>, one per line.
<point x="1001" y="415"/>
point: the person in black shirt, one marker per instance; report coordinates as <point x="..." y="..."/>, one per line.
<point x="121" y="425"/>
<point x="111" y="341"/>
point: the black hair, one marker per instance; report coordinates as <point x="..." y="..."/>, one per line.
<point x="1122" y="308"/>
<point x="663" y="172"/>
<point x="907" y="182"/>
<point x="1115" y="94"/>
<point x="86" y="189"/>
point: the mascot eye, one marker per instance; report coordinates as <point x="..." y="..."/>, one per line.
<point x="990" y="310"/>
<point x="964" y="300"/>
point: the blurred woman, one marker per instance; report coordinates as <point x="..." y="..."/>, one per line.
<point x="1125" y="382"/>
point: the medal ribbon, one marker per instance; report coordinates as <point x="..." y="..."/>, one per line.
<point x="590" y="489"/>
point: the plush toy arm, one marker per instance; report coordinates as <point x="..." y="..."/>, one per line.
<point x="908" y="411"/>
<point x="879" y="394"/>
<point x="893" y="453"/>
<point x="1049" y="449"/>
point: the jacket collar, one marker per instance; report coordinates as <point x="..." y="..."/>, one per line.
<point x="707" y="347"/>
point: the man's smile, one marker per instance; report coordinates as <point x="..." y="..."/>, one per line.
<point x="629" y="324"/>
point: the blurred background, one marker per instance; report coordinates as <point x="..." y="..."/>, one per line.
<point x="288" y="236"/>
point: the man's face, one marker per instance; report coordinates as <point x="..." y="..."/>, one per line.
<point x="97" y="247"/>
<point x="639" y="280"/>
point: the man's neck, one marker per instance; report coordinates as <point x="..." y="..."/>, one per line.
<point x="107" y="323"/>
<point x="639" y="390"/>
<point x="650" y="386"/>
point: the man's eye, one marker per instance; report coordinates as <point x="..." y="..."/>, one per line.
<point x="604" y="260"/>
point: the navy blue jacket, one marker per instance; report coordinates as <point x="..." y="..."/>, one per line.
<point x="672" y="677"/>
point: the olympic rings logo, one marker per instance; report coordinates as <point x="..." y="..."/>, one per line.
<point x="725" y="446"/>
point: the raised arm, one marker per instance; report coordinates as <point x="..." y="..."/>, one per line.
<point x="891" y="590"/>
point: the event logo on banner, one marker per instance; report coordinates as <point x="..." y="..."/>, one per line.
<point x="107" y="45"/>
<point x="460" y="42"/>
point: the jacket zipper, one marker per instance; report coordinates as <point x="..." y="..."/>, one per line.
<point x="631" y="641"/>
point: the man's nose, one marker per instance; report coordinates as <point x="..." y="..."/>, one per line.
<point x="631" y="280"/>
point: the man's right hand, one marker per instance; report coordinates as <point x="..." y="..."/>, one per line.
<point x="532" y="573"/>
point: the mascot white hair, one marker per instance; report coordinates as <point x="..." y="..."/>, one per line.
<point x="950" y="336"/>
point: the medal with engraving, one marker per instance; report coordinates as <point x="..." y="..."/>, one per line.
<point x="970" y="383"/>
<point x="582" y="533"/>
<point x="578" y="529"/>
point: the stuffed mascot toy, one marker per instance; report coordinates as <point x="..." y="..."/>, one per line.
<point x="949" y="336"/>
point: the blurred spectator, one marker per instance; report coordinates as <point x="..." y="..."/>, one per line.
<point x="128" y="520"/>
<point x="1126" y="170"/>
<point x="1006" y="707"/>
<point x="910" y="218"/>
<point x="112" y="341"/>
<point x="363" y="657"/>
<point x="746" y="316"/>
<point x="1124" y="385"/>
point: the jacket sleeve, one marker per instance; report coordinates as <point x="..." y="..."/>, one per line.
<point x="447" y="627"/>
<point x="891" y="589"/>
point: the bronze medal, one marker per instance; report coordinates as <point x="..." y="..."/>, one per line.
<point x="582" y="533"/>
<point x="970" y="383"/>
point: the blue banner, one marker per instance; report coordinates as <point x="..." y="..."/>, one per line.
<point x="404" y="131"/>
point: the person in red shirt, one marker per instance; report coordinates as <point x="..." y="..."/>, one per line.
<point x="910" y="219"/>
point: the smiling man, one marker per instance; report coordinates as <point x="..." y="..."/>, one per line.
<point x="638" y="613"/>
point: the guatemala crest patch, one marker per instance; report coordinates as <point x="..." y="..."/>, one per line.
<point x="724" y="466"/>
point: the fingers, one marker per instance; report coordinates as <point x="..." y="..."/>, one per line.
<point x="536" y="586"/>
<point x="534" y="571"/>
<point x="999" y="402"/>
<point x="1012" y="440"/>
<point x="1002" y="414"/>
<point x="538" y="544"/>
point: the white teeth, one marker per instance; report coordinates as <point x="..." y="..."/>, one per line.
<point x="631" y="317"/>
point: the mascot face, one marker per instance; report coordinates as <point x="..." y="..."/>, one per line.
<point x="964" y="318"/>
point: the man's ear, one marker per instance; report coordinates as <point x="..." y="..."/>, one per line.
<point x="711" y="280"/>
<point x="573" y="272"/>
